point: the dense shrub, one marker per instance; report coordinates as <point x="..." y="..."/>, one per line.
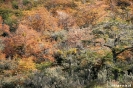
<point x="65" y="43"/>
<point x="15" y="4"/>
<point x="5" y="13"/>
<point x="59" y="4"/>
<point x="40" y="20"/>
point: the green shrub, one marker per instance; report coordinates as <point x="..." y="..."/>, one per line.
<point x="43" y="65"/>
<point x="8" y="85"/>
<point x="15" y="4"/>
<point x="12" y="23"/>
<point x="7" y="17"/>
<point x="5" y="13"/>
<point x="1" y="1"/>
<point x="59" y="36"/>
<point x="26" y="2"/>
<point x="18" y="13"/>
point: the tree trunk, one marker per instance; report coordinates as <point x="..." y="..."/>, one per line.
<point x="115" y="72"/>
<point x="114" y="56"/>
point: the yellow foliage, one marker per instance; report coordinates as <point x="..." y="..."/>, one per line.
<point x="72" y="51"/>
<point x="26" y="64"/>
<point x="60" y="52"/>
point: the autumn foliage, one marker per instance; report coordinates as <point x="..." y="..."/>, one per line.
<point x="40" y="20"/>
<point x="65" y="43"/>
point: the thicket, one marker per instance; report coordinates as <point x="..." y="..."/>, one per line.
<point x="65" y="43"/>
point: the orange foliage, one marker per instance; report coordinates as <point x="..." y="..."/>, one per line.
<point x="2" y="56"/>
<point x="58" y="3"/>
<point x="40" y="19"/>
<point x="126" y="55"/>
<point x="12" y="46"/>
<point x="30" y="38"/>
<point x="26" y="42"/>
<point x="65" y="20"/>
<point x="1" y="20"/>
<point x="90" y="14"/>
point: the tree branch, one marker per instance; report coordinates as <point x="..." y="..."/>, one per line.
<point x="124" y="50"/>
<point x="109" y="46"/>
<point x="113" y="49"/>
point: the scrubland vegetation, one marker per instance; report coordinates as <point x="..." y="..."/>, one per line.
<point x="66" y="43"/>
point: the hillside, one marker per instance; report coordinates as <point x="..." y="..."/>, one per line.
<point x="66" y="43"/>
